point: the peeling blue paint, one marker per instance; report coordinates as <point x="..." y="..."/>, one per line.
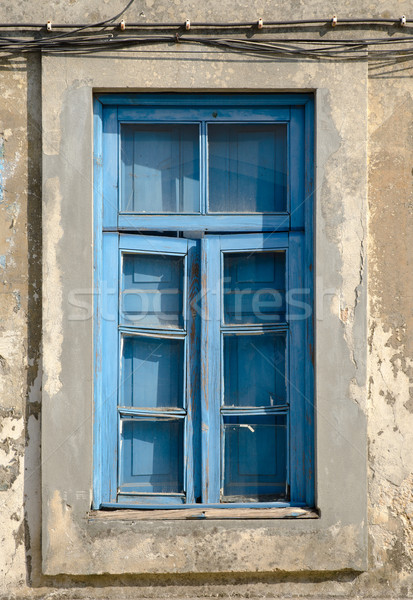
<point x="3" y="261"/>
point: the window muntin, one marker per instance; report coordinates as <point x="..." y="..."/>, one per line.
<point x="207" y="476"/>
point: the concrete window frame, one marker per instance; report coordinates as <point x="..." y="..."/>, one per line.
<point x="74" y="543"/>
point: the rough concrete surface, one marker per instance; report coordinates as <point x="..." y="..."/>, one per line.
<point x="372" y="249"/>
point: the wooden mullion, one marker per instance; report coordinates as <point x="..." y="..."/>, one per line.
<point x="210" y="369"/>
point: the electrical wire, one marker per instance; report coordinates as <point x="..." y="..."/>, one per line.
<point x="264" y="44"/>
<point x="322" y="45"/>
<point x="212" y="25"/>
<point x="99" y="24"/>
<point x="355" y="50"/>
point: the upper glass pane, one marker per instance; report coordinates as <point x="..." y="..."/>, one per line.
<point x="247" y="168"/>
<point x="152" y="291"/>
<point x="254" y="287"/>
<point x="160" y="168"/>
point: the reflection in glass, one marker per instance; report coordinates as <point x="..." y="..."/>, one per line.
<point x="160" y="168"/>
<point x="152" y="290"/>
<point x="247" y="168"/>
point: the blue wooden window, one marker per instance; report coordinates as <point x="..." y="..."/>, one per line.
<point x="203" y="314"/>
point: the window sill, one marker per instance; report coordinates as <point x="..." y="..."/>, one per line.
<point x="203" y="514"/>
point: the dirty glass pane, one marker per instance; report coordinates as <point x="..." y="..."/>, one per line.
<point x="152" y="372"/>
<point x="160" y="168"/>
<point x="254" y="287"/>
<point x="255" y="370"/>
<point x="152" y="290"/>
<point x="255" y="458"/>
<point x="152" y="455"/>
<point x="247" y="168"/>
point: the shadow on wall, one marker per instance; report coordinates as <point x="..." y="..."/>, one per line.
<point x="32" y="462"/>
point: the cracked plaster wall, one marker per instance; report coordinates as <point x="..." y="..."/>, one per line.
<point x="389" y="404"/>
<point x="391" y="325"/>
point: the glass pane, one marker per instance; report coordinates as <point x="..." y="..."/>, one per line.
<point x="255" y="458"/>
<point x="152" y="372"/>
<point x="254" y="370"/>
<point x="247" y="168"/>
<point x="152" y="290"/>
<point x="160" y="168"/>
<point x="254" y="287"/>
<point x="151" y="455"/>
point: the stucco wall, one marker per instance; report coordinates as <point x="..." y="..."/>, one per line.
<point x="388" y="402"/>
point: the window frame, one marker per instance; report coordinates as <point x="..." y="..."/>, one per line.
<point x="107" y="121"/>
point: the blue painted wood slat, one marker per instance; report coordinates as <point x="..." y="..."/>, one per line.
<point x="309" y="276"/>
<point x="201" y="99"/>
<point x="210" y="369"/>
<point x="193" y="393"/>
<point x="111" y="171"/>
<point x="297" y="314"/>
<point x="208" y="223"/>
<point x="110" y="370"/>
<point x="214" y="113"/>
<point x="97" y="320"/>
<point x="297" y="167"/>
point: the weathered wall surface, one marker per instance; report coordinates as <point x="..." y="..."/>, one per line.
<point x="20" y="326"/>
<point x="389" y="404"/>
<point x="391" y="324"/>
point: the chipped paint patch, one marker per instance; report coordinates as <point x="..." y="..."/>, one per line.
<point x="11" y="486"/>
<point x="11" y="345"/>
<point x="390" y="452"/>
